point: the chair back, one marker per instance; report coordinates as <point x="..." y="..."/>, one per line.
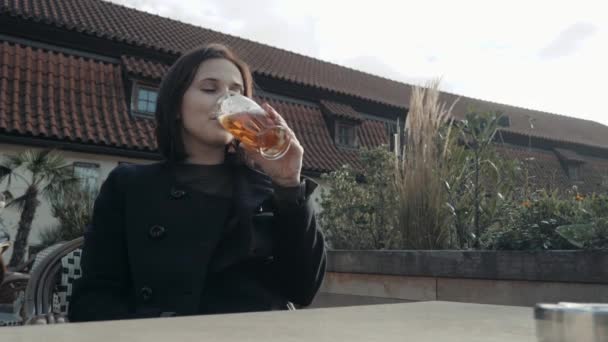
<point x="50" y="286"/>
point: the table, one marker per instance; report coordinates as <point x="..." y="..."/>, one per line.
<point x="421" y="321"/>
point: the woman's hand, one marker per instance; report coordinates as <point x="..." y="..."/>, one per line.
<point x="284" y="171"/>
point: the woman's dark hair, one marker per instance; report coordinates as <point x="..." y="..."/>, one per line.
<point x="174" y="85"/>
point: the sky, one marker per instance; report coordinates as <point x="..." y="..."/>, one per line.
<point x="538" y="54"/>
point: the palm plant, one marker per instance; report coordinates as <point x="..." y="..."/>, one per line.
<point x="45" y="174"/>
<point x="73" y="210"/>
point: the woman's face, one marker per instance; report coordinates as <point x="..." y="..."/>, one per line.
<point x="214" y="78"/>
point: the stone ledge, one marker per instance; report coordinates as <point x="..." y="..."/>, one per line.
<point x="355" y="288"/>
<point x="550" y="266"/>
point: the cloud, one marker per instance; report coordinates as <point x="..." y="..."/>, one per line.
<point x="472" y="44"/>
<point x="376" y="66"/>
<point x="259" y="20"/>
<point x="568" y="41"/>
<point x="373" y="65"/>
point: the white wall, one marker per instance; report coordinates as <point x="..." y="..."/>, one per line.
<point x="43" y="218"/>
<point x="316" y="196"/>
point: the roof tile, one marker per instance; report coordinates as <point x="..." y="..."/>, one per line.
<point x="58" y="96"/>
<point x="341" y="110"/>
<point x="144" y="68"/>
<point x="546" y="171"/>
<point x="64" y="97"/>
<point x="568" y="156"/>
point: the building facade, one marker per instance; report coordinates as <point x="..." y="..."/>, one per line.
<point x="82" y="76"/>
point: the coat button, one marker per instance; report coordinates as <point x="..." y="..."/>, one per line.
<point x="145" y="293"/>
<point x="177" y="194"/>
<point x="157" y="232"/>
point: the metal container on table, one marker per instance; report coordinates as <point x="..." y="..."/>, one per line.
<point x="571" y="322"/>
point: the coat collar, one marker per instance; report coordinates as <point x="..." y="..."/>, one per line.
<point x="251" y="187"/>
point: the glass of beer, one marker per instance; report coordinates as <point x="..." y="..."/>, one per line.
<point x="252" y="126"/>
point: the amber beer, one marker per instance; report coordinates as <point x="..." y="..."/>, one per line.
<point x="257" y="131"/>
<point x="252" y="126"/>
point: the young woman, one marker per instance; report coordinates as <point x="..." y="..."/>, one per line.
<point x="201" y="232"/>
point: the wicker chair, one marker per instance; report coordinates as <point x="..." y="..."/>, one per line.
<point x="11" y="299"/>
<point x="48" y="291"/>
<point x="12" y="287"/>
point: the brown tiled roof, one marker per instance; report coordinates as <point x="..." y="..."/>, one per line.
<point x="341" y="110"/>
<point x="58" y="96"/>
<point x="568" y="155"/>
<point x="372" y="133"/>
<point x="321" y="154"/>
<point x="62" y="97"/>
<point x="53" y="95"/>
<point x="546" y="171"/>
<point x="122" y="24"/>
<point x="144" y="68"/>
<point x="536" y="123"/>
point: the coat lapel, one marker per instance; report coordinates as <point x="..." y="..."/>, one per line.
<point x="251" y="190"/>
<point x="177" y="237"/>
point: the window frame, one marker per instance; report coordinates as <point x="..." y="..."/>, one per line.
<point x="391" y="131"/>
<point x="88" y="165"/>
<point x="504" y="121"/>
<point x="574" y="171"/>
<point x="350" y="125"/>
<point x="137" y="86"/>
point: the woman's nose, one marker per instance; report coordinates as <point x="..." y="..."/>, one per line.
<point x="225" y="93"/>
<point x="226" y="90"/>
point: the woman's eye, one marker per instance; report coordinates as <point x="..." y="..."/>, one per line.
<point x="208" y="90"/>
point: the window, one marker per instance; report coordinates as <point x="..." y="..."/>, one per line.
<point x="88" y="174"/>
<point x="144" y="101"/>
<point x="346" y="134"/>
<point x="504" y="121"/>
<point x="391" y="130"/>
<point x="574" y="171"/>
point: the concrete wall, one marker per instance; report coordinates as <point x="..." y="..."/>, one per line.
<point x="577" y="266"/>
<point x="485" y="277"/>
<point x="348" y="289"/>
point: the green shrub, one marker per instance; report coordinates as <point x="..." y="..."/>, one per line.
<point x="359" y="210"/>
<point x="73" y="210"/>
<point x="548" y="221"/>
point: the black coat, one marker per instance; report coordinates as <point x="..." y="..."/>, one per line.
<point x="153" y="245"/>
